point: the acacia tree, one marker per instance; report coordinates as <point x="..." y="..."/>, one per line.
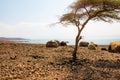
<point x="82" y="11"/>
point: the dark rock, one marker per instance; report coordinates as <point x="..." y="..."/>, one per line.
<point x="52" y="44"/>
<point x="96" y="45"/>
<point x="13" y="57"/>
<point x="84" y="44"/>
<point x="103" y="49"/>
<point x="63" y="43"/>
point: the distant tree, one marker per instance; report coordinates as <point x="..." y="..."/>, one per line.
<point x="82" y="11"/>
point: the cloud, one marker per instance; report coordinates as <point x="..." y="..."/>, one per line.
<point x="35" y="30"/>
<point x="102" y="29"/>
<point x="6" y="29"/>
<point x="38" y="30"/>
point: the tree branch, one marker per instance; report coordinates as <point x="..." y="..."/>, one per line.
<point x="86" y="10"/>
<point x="85" y="23"/>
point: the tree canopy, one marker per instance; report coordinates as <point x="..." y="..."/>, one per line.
<point x="105" y="10"/>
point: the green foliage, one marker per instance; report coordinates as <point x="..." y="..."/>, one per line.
<point x="95" y="3"/>
<point x="71" y="17"/>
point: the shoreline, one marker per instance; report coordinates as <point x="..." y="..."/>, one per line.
<point x="71" y="41"/>
<point x="24" y="42"/>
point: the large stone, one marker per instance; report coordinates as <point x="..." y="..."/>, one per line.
<point x="84" y="44"/>
<point x="52" y="44"/>
<point x="63" y="43"/>
<point x="91" y="46"/>
<point x="114" y="47"/>
<point x="57" y="42"/>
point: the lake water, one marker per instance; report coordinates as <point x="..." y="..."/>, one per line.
<point x="104" y="41"/>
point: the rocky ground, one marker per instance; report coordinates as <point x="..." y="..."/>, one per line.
<point x="20" y="61"/>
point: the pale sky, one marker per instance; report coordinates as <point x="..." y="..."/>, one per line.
<point x="32" y="19"/>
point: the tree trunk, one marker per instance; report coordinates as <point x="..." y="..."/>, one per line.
<point x="74" y="57"/>
<point x="75" y="51"/>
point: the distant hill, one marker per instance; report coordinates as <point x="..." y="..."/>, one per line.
<point x="4" y="38"/>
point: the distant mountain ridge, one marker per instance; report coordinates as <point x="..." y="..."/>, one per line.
<point x="4" y="38"/>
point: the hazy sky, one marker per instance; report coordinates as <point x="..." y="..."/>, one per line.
<point x="32" y="19"/>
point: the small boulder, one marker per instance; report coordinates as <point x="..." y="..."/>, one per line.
<point x="114" y="47"/>
<point x="91" y="46"/>
<point x="52" y="44"/>
<point x="103" y="49"/>
<point x="84" y="44"/>
<point x="57" y="41"/>
<point x="62" y="43"/>
<point x="96" y="45"/>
